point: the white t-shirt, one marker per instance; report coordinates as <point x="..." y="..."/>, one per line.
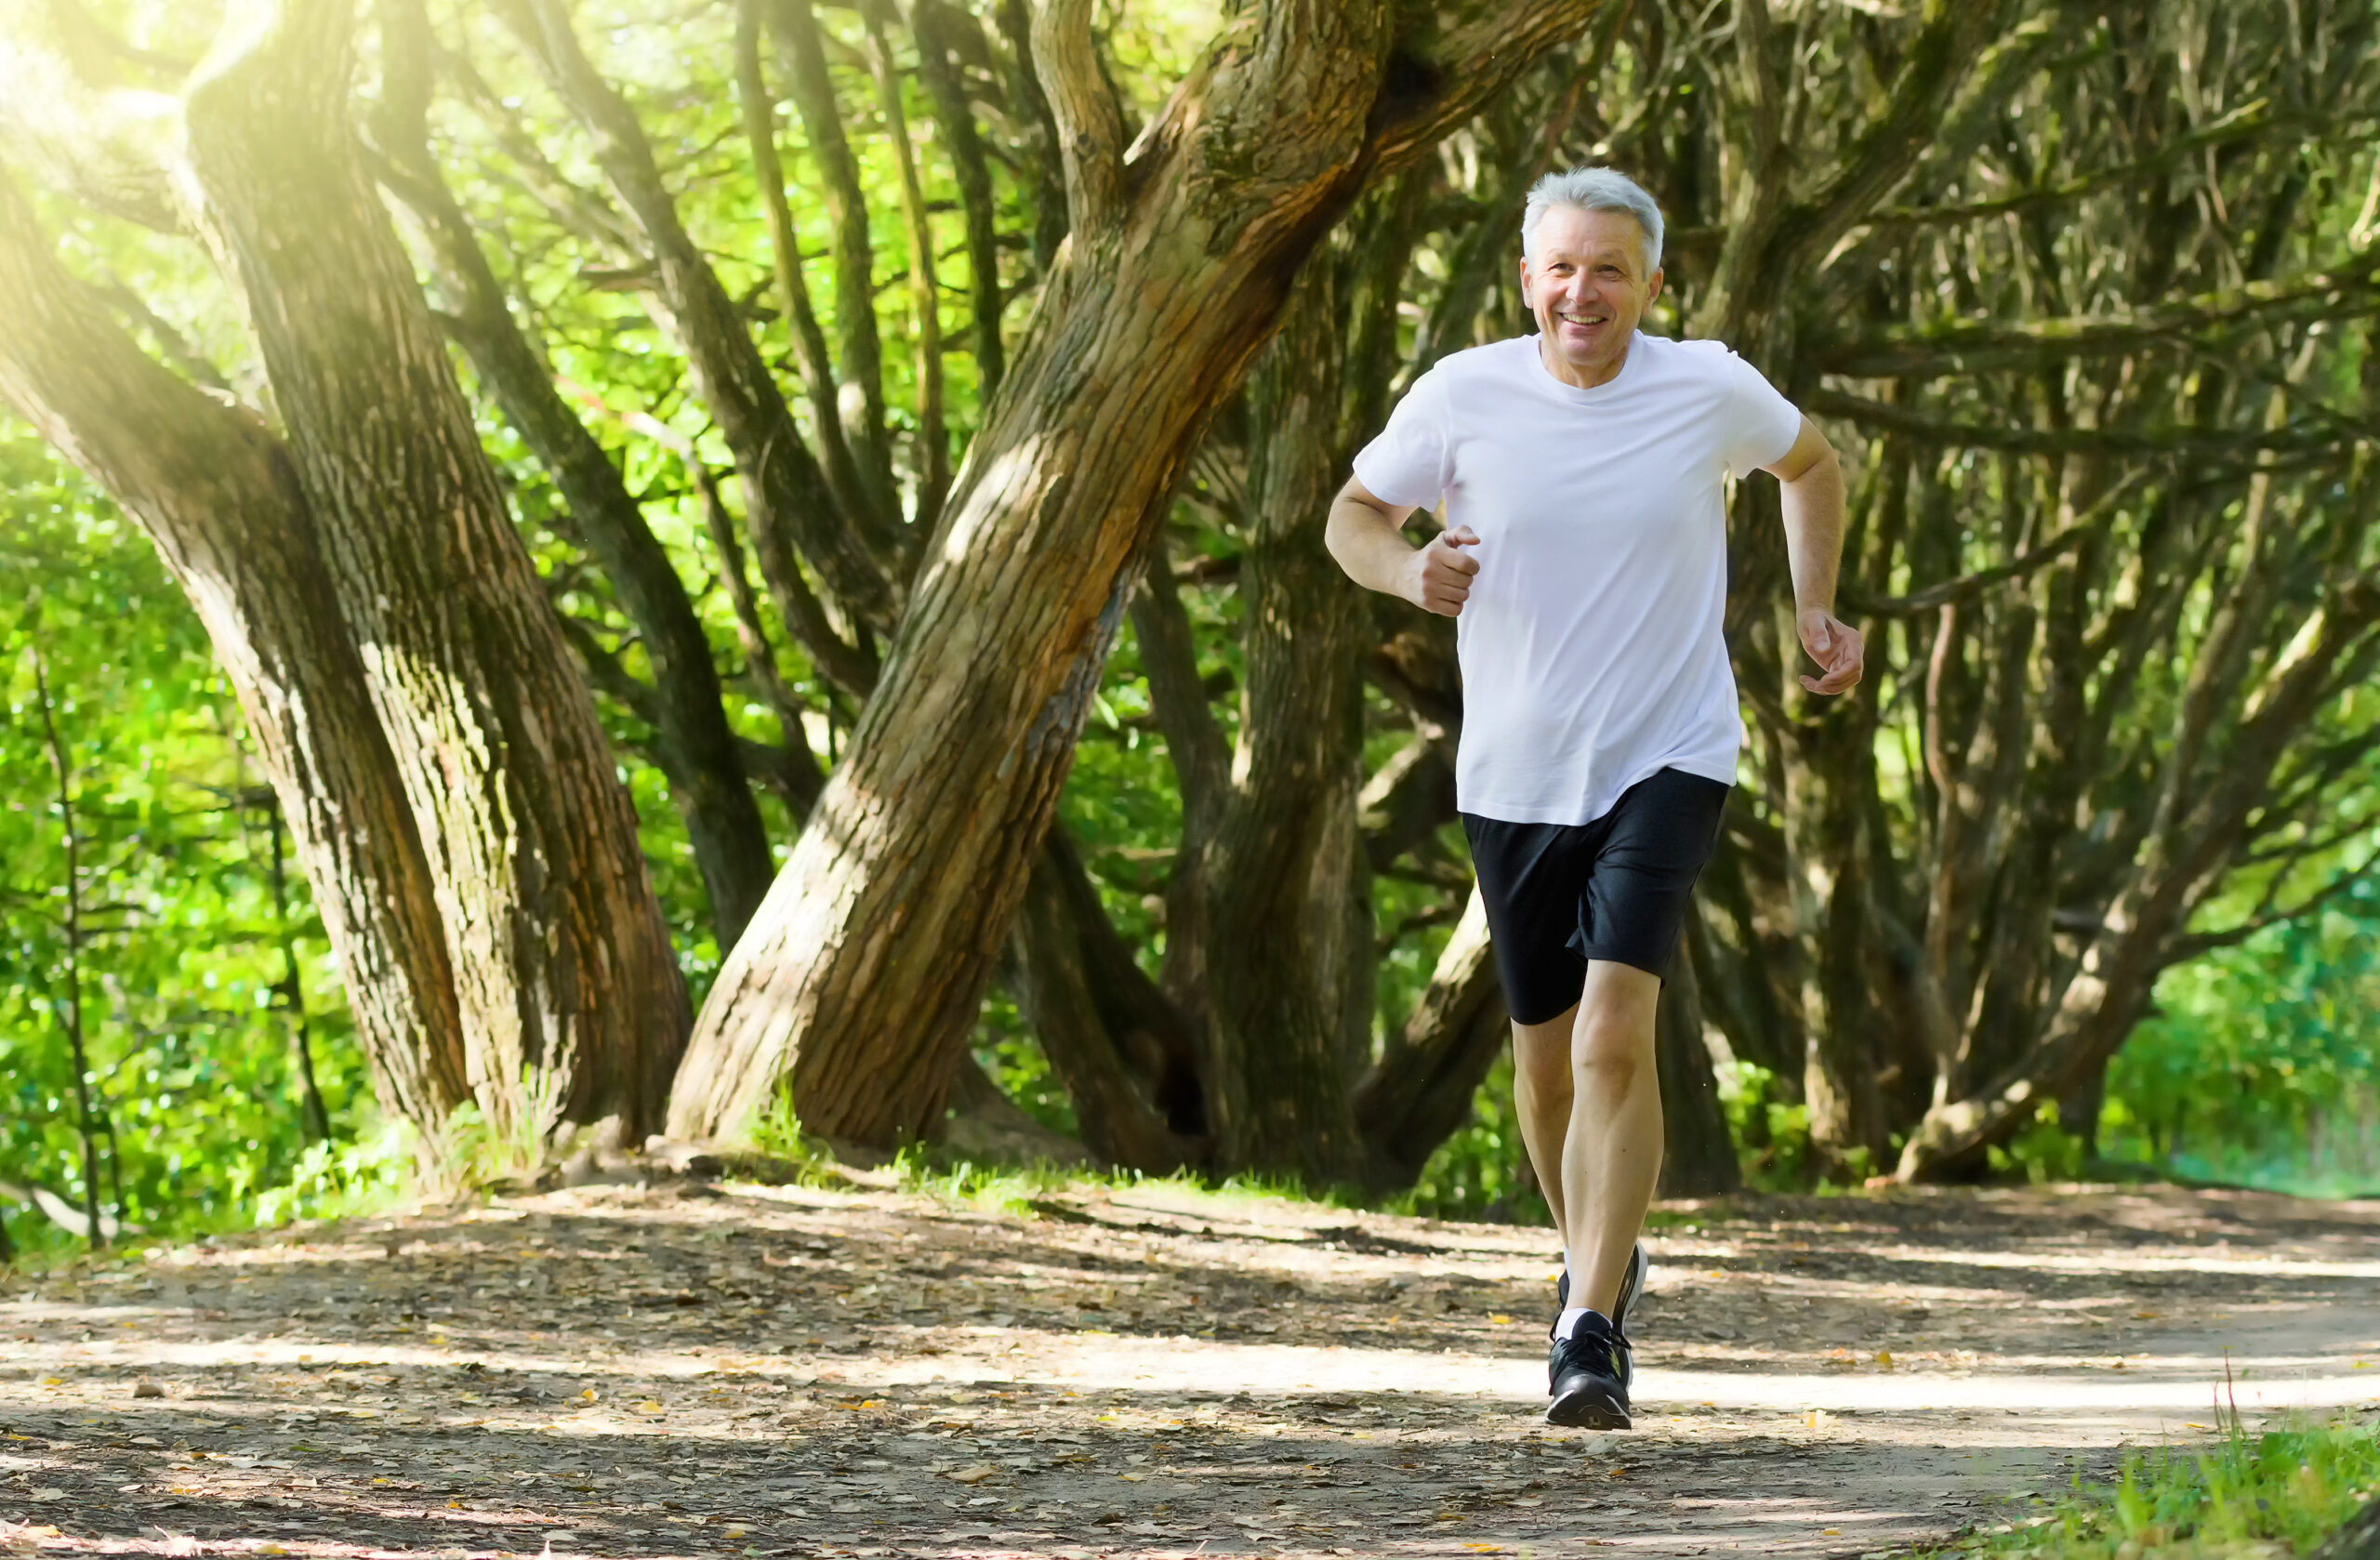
<point x="1591" y="645"/>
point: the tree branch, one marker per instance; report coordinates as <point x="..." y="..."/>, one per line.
<point x="925" y="292"/>
<point x="1169" y="661"/>
<point x="1091" y="131"/>
<point x="1421" y="1088"/>
<point x="954" y="119"/>
<point x="859" y="353"/>
<point x="785" y="492"/>
<point x="784" y="251"/>
<point x="1915" y="352"/>
<point x="106" y="145"/>
<point x="1966" y="586"/>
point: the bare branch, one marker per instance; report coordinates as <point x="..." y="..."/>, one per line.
<point x="925" y="292"/>
<point x="809" y="339"/>
<point x="1964" y="345"/>
<point x="859" y="354"/>
<point x="1091" y="131"/>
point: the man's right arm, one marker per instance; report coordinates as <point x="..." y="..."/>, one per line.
<point x="1366" y="534"/>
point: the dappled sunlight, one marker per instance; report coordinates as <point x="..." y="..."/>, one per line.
<point x="1148" y="1370"/>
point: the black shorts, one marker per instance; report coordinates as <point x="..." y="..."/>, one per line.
<point x="1560" y="895"/>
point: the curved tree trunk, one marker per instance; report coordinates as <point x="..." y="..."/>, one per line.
<point x="571" y="1005"/>
<point x="695" y="747"/>
<point x="1698" y="1152"/>
<point x="1283" y="897"/>
<point x="1420" y="1091"/>
<point x="863" y="970"/>
<point x="214" y="490"/>
<point x="1129" y="1061"/>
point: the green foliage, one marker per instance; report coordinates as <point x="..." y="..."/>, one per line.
<point x="2292" y="1487"/>
<point x="1772" y="1134"/>
<point x="2044" y="1151"/>
<point x="177" y="958"/>
<point x="1011" y="1056"/>
<point x="776" y="1130"/>
<point x="1482" y="1170"/>
<point x="2262" y="1065"/>
<point x="334" y="1180"/>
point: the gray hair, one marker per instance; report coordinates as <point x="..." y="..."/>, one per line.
<point x="1593" y="189"/>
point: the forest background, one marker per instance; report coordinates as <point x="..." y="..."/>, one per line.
<point x="753" y="314"/>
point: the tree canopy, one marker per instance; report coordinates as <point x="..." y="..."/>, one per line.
<point x="820" y="505"/>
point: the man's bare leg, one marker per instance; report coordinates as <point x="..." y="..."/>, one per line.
<point x="1542" y="1092"/>
<point x="1611" y="1155"/>
<point x="1588" y="1096"/>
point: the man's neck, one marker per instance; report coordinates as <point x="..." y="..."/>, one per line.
<point x="1578" y="378"/>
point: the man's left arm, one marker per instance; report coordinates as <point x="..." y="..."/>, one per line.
<point x="1813" y="504"/>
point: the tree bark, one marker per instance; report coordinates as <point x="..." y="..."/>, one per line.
<point x="1422" y="1088"/>
<point x="1129" y="1061"/>
<point x="1282" y="905"/>
<point x="214" y="489"/>
<point x="693" y="744"/>
<point x="862" y="974"/>
<point x="1699" y="1152"/>
<point x="572" y="1005"/>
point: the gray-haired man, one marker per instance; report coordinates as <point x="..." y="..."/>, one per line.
<point x="1583" y="471"/>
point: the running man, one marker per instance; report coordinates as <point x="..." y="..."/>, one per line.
<point x="1583" y="470"/>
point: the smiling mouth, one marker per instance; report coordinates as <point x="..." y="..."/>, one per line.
<point x="1585" y="322"/>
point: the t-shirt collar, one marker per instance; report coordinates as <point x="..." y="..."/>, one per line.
<point x="1602" y="392"/>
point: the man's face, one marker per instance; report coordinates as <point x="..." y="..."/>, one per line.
<point x="1588" y="287"/>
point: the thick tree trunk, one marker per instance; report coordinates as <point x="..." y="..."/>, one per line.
<point x="1129" y="1063"/>
<point x="1822" y="792"/>
<point x="862" y="973"/>
<point x="693" y="744"/>
<point x="1284" y="926"/>
<point x="215" y="491"/>
<point x="1698" y="1154"/>
<point x="1422" y="1088"/>
<point x="572" y="1005"/>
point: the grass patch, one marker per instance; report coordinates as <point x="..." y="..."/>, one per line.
<point x="2269" y="1494"/>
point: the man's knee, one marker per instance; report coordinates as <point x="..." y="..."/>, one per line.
<point x="1611" y="1044"/>
<point x="1609" y="1059"/>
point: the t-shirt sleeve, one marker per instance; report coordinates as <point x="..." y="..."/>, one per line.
<point x="1762" y="425"/>
<point x="1410" y="462"/>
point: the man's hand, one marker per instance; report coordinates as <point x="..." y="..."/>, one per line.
<point x="1834" y="645"/>
<point x="1439" y="577"/>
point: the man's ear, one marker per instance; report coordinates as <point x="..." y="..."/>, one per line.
<point x="1653" y="288"/>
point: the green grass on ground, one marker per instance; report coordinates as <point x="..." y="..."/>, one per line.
<point x="2267" y="1494"/>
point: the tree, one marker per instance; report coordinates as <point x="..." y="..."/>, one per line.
<point x="862" y="973"/>
<point x="521" y="907"/>
<point x="853" y="388"/>
<point x="2097" y="388"/>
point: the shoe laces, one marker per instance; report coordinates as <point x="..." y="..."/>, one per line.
<point x="1592" y="1349"/>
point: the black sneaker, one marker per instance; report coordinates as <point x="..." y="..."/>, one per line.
<point x="1584" y="1375"/>
<point x="1632" y="1284"/>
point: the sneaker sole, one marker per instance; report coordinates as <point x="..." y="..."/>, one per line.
<point x="1587" y="1407"/>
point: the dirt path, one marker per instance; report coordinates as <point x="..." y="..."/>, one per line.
<point x="712" y="1372"/>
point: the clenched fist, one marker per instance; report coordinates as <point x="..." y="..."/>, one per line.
<point x="1834" y="644"/>
<point x="1439" y="577"/>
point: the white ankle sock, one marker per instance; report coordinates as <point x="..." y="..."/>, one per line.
<point x="1569" y="1323"/>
